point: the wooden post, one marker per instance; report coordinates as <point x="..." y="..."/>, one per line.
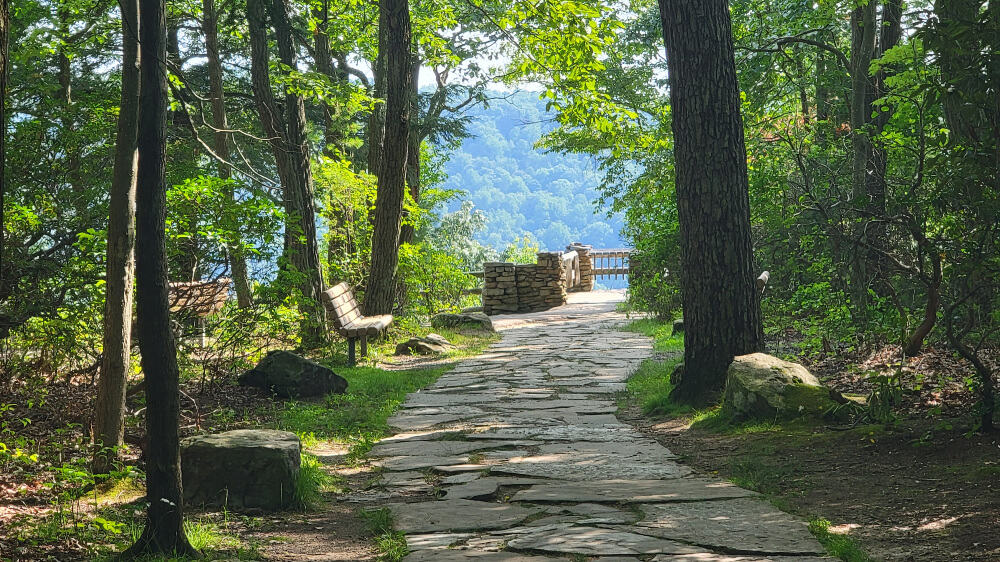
<point x="351" y="359"/>
<point x="364" y="346"/>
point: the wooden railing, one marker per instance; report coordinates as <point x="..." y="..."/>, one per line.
<point x="611" y="262"/>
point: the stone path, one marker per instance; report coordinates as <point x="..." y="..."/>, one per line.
<point x="522" y="447"/>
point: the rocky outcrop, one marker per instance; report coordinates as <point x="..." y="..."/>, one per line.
<point x="760" y="386"/>
<point x="290" y="376"/>
<point x="431" y="344"/>
<point x="463" y="321"/>
<point x="241" y="469"/>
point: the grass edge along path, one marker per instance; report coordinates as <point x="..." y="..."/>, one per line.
<point x="648" y="391"/>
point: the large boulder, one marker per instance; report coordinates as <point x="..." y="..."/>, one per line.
<point x="247" y="469"/>
<point x="431" y="344"/>
<point x="760" y="386"/>
<point x="463" y="321"/>
<point x="291" y="376"/>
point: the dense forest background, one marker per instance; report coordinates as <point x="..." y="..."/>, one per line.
<point x="523" y="189"/>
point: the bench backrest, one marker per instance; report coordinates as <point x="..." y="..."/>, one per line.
<point x="342" y="306"/>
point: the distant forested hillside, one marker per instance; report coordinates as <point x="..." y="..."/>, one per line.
<point x="524" y="190"/>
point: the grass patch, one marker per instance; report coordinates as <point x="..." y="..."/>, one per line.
<point x="311" y="482"/>
<point x="664" y="340"/>
<point x="840" y="546"/>
<point x="360" y="415"/>
<point x="649" y="388"/>
<point x="391" y="544"/>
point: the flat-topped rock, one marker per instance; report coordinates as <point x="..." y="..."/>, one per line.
<point x="595" y="541"/>
<point x="241" y="469"/>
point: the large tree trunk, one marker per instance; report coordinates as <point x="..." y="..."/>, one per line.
<point x="721" y="304"/>
<point x="376" y="121"/>
<point x="115" y="362"/>
<point x="287" y="134"/>
<point x="4" y="64"/>
<point x="394" y="33"/>
<point x="164" y="530"/>
<point x="863" y="35"/>
<point x="220" y="139"/>
<point x="408" y="231"/>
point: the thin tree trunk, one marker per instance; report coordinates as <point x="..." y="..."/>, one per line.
<point x="164" y="530"/>
<point x="394" y="33"/>
<point x="220" y="140"/>
<point x="876" y="188"/>
<point x="956" y="56"/>
<point x="720" y="300"/>
<point x="863" y="35"/>
<point x="115" y="360"/>
<point x="324" y="64"/>
<point x="915" y="342"/>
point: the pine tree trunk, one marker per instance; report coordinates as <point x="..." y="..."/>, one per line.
<point x="220" y="139"/>
<point x="394" y="33"/>
<point x="721" y="305"/>
<point x="164" y="530"/>
<point x="115" y="361"/>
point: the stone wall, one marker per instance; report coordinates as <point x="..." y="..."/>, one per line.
<point x="524" y="287"/>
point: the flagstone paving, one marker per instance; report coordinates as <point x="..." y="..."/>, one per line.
<point x="528" y="462"/>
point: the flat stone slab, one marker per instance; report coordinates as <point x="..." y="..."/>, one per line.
<point x="713" y="557"/>
<point x="456" y="515"/>
<point x="442" y="448"/>
<point x="741" y="525"/>
<point x="594" y="541"/>
<point x="632" y="491"/>
<point x="460" y="555"/>
<point x="580" y="466"/>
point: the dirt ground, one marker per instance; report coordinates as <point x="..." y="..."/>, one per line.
<point x="914" y="492"/>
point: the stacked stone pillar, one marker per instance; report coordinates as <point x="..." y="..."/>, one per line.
<point x="499" y="288"/>
<point x="586" y="265"/>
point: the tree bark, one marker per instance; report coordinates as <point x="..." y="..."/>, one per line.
<point x="376" y="121"/>
<point x="394" y="33"/>
<point x="876" y="188"/>
<point x="721" y="304"/>
<point x="220" y="140"/>
<point x="416" y="137"/>
<point x="915" y="342"/>
<point x="164" y="530"/>
<point x="863" y="36"/>
<point x="956" y="57"/>
<point x="287" y="135"/>
<point x="4" y="64"/>
<point x="115" y="359"/>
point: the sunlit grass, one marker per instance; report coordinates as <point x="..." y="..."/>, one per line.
<point x="840" y="546"/>
<point x="391" y="544"/>
<point x="664" y="340"/>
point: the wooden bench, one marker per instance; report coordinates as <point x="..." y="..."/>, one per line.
<point x="349" y="322"/>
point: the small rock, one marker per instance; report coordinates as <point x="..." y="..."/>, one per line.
<point x="464" y="320"/>
<point x="678" y="328"/>
<point x="291" y="376"/>
<point x="241" y="469"/>
<point x="760" y="386"/>
<point x="431" y="344"/>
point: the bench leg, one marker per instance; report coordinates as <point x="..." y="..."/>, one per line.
<point x="351" y="360"/>
<point x="364" y="346"/>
